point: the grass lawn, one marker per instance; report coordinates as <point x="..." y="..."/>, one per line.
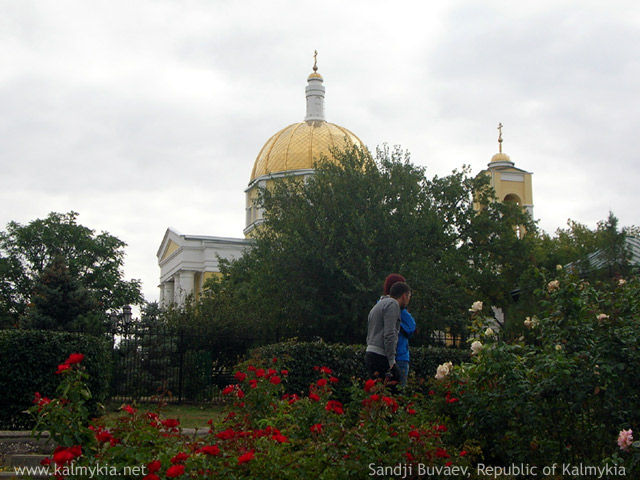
<point x="190" y="416"/>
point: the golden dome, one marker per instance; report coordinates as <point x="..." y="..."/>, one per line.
<point x="299" y="145"/>
<point x="500" y="157"/>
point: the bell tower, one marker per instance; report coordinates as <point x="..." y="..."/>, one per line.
<point x="510" y="183"/>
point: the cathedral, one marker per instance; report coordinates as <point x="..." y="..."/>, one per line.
<point x="187" y="261"/>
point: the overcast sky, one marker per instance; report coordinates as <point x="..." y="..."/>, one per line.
<point x="148" y="114"/>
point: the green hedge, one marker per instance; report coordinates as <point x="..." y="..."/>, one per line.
<point x="29" y="362"/>
<point x="346" y="361"/>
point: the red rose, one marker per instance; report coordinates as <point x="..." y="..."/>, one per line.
<point x="368" y="385"/>
<point x="317" y="428"/>
<point x="326" y="370"/>
<point x="240" y="376"/>
<point x="179" y="458"/>
<point x="171" y="422"/>
<point x="322" y="382"/>
<point x="278" y="437"/>
<point x="253" y="383"/>
<point x="246" y="457"/>
<point x="62" y="457"/>
<point x="441" y="453"/>
<point x="391" y="403"/>
<point x="129" y="409"/>
<point x="284" y="373"/>
<point x="260" y="372"/>
<point x="74" y="358"/>
<point x="151" y="476"/>
<point x="275" y="380"/>
<point x="334" y="406"/>
<point x="228" y="389"/>
<point x="333" y="380"/>
<point x="210" y="450"/>
<point x="63" y="367"/>
<point x="175" y="471"/>
<point x="314" y="396"/>
<point x="103" y="436"/>
<point x="154" y="466"/>
<point x="76" y="450"/>
<point x="227" y="434"/>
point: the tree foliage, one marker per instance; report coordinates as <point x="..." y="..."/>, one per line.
<point x="60" y="302"/>
<point x="328" y="242"/>
<point x="94" y="260"/>
<point x="575" y="243"/>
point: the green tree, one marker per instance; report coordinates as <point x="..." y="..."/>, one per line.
<point x="327" y="244"/>
<point x="95" y="260"/>
<point x="576" y="243"/>
<point x="60" y="302"/>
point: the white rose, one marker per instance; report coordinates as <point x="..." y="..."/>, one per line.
<point x="527" y="322"/>
<point x="443" y="370"/>
<point x="558" y="268"/>
<point x="622" y="281"/>
<point x="553" y="285"/>
<point x="558" y="348"/>
<point x="489" y="332"/>
<point x="476" y="307"/>
<point x="602" y="317"/>
<point x="476" y="347"/>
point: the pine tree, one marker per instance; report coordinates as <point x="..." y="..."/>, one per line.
<point x="60" y="302"/>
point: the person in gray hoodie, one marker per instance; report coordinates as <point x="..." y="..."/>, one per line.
<point x="382" y="334"/>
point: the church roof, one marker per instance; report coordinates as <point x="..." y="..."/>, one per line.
<point x="299" y="145"/>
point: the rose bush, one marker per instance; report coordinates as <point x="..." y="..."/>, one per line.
<point x="563" y="389"/>
<point x="267" y="433"/>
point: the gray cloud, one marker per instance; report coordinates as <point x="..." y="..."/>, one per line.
<point x="148" y="115"/>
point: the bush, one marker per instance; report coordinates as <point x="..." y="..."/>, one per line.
<point x="347" y="361"/>
<point x="29" y="357"/>
<point x="563" y="390"/>
<point x="267" y="435"/>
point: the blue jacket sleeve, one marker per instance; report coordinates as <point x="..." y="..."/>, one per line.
<point x="407" y="322"/>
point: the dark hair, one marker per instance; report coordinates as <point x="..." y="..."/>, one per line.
<point x="390" y="280"/>
<point x="398" y="289"/>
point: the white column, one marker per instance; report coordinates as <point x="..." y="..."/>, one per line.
<point x="185" y="282"/>
<point x="529" y="209"/>
<point x="168" y="297"/>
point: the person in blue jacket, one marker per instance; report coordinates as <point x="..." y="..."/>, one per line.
<point x="407" y="328"/>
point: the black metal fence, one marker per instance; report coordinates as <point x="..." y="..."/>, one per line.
<point x="177" y="364"/>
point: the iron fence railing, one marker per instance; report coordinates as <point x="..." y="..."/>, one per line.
<point x="178" y="364"/>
